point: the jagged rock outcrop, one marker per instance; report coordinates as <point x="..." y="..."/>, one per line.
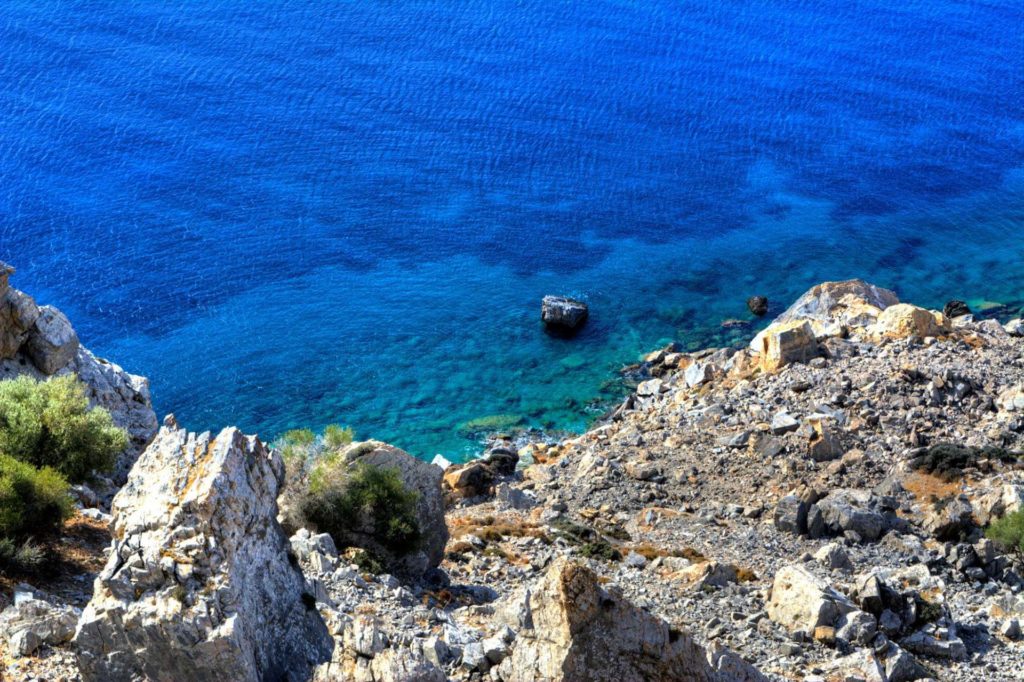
<point x="199" y="585"/>
<point x="40" y="341"/>
<point x="573" y="629"/>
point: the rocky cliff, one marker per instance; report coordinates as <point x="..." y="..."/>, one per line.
<point x="809" y="507"/>
<point x="39" y="341"/>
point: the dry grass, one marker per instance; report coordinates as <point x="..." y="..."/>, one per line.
<point x="924" y="486"/>
<point x="650" y="552"/>
<point x="79" y="549"/>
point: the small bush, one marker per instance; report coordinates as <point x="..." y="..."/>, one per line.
<point x="299" y="437"/>
<point x="367" y="562"/>
<point x="26" y="557"/>
<point x="1009" y="533"/>
<point x="947" y="461"/>
<point x="49" y="424"/>
<point x="336" y="436"/>
<point x="31" y="500"/>
<point x="348" y="501"/>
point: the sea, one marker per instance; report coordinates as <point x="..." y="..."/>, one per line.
<point x="289" y="214"/>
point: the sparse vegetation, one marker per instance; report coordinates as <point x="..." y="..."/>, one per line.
<point x="50" y="424"/>
<point x="23" y="557"/>
<point x="589" y="542"/>
<point x="1009" y="533"/>
<point x="948" y="461"/>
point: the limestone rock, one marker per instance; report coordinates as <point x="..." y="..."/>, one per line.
<point x="903" y="320"/>
<point x="18" y="314"/>
<point x="801" y="602"/>
<point x="576" y="630"/>
<point x="198" y="585"/>
<point x="823" y="443"/>
<point x="53" y="341"/>
<point x="785" y="343"/>
<point x="852" y="512"/>
<point x="563" y="312"/>
<point x="425" y="479"/>
<point x="832" y="306"/>
<point x="1012" y="399"/>
<point x="36" y="619"/>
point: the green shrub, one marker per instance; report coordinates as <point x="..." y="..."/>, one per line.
<point x="299" y="437"/>
<point x="349" y="501"/>
<point x="947" y="460"/>
<point x="26" y="557"/>
<point x="31" y="500"/>
<point x="49" y="424"/>
<point x="337" y="436"/>
<point x="1009" y="532"/>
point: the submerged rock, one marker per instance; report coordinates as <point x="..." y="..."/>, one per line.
<point x="562" y="312"/>
<point x="199" y="585"/>
<point x="758" y="305"/>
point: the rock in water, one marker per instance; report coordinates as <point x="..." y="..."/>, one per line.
<point x="577" y="630"/>
<point x="758" y="305"/>
<point x="561" y="312"/>
<point x="199" y="585"/>
<point x="955" y="308"/>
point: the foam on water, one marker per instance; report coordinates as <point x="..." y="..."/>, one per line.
<point x="290" y="215"/>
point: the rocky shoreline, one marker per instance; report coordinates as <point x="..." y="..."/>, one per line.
<point x="810" y="507"/>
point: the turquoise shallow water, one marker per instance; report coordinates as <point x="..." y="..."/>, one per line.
<point x="291" y="215"/>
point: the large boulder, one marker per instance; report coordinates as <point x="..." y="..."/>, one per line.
<point x="562" y="312"/>
<point x="425" y="479"/>
<point x="803" y="603"/>
<point x="571" y="628"/>
<point x="786" y="342"/>
<point x="53" y="342"/>
<point x="198" y="585"/>
<point x="854" y="513"/>
<point x="903" y="320"/>
<point x="832" y="306"/>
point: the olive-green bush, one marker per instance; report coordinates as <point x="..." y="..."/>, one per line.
<point x="360" y="502"/>
<point x="49" y="424"/>
<point x="32" y="501"/>
<point x="1009" y="532"/>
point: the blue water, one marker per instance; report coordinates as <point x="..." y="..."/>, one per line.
<point x="289" y="214"/>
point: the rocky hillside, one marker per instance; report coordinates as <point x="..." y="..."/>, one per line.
<point x="810" y="507"/>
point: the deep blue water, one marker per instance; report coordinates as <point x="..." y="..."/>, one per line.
<point x="289" y="214"/>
